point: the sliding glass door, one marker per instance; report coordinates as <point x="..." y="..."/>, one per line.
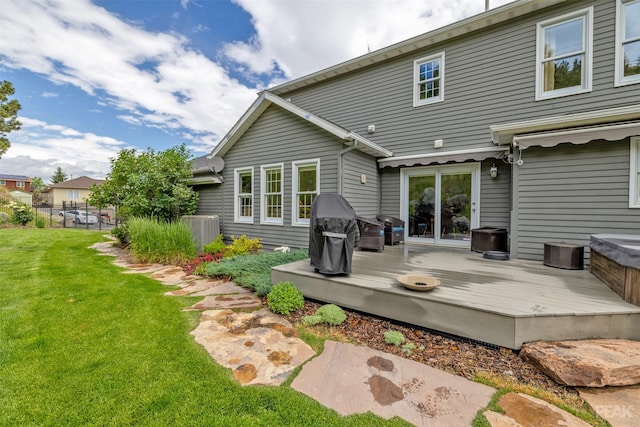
<point x="440" y="204"/>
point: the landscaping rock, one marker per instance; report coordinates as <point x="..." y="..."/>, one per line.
<point x="259" y="347"/>
<point x="620" y="406"/>
<point x="521" y="410"/>
<point x="227" y="301"/>
<point x="352" y="379"/>
<point x="587" y="363"/>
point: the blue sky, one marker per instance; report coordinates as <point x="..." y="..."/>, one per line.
<point x="94" y="77"/>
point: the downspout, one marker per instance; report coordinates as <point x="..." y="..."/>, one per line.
<point x="340" y="156"/>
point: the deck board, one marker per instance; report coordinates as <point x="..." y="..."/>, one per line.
<point x="515" y="297"/>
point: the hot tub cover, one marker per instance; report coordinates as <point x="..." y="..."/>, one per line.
<point x="621" y="248"/>
<point x="332" y="234"/>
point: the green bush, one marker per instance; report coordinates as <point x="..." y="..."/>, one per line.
<point x="393" y="337"/>
<point x="161" y="242"/>
<point x="253" y="271"/>
<point x="22" y="214"/>
<point x="285" y="298"/>
<point x="215" y="247"/>
<point x="41" y="222"/>
<point x="121" y="233"/>
<point x="330" y="314"/>
<point x="242" y="246"/>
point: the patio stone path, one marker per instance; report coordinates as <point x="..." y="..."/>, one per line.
<point x="259" y="347"/>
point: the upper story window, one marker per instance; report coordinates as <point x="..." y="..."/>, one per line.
<point x="428" y="79"/>
<point x="271" y="189"/>
<point x="564" y="55"/>
<point x="243" y="195"/>
<point x="634" y="181"/>
<point x="628" y="42"/>
<point x="20" y="184"/>
<point x="306" y="186"/>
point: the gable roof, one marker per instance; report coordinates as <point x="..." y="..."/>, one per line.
<point x="266" y="99"/>
<point x="15" y="177"/>
<point x="474" y="23"/>
<point x="82" y="182"/>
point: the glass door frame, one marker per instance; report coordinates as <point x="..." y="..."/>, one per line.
<point x="438" y="171"/>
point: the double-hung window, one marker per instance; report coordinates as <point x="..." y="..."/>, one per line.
<point x="243" y="195"/>
<point x="428" y="79"/>
<point x="271" y="190"/>
<point x="628" y="42"/>
<point x="564" y="55"/>
<point x="634" y="182"/>
<point x="306" y="186"/>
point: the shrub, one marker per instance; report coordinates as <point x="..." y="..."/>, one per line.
<point x="41" y="222"/>
<point x="198" y="265"/>
<point x="121" y="233"/>
<point x="242" y="246"/>
<point x="22" y="214"/>
<point x="161" y="242"/>
<point x="393" y="337"/>
<point x="330" y="314"/>
<point x="253" y="271"/>
<point x="215" y="247"/>
<point x="285" y="298"/>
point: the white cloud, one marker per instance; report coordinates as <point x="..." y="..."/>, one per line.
<point x="75" y="42"/>
<point x="39" y="148"/>
<point x="302" y="37"/>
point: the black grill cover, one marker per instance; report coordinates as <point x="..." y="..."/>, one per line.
<point x="332" y="234"/>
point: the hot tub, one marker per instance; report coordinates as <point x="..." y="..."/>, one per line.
<point x="615" y="259"/>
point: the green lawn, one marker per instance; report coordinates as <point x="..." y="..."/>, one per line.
<point x="83" y="344"/>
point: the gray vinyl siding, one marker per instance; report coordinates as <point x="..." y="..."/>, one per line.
<point x="495" y="195"/>
<point x="489" y="79"/>
<point x="364" y="198"/>
<point x="211" y="201"/>
<point x="572" y="191"/>
<point x="278" y="137"/>
<point x="390" y="190"/>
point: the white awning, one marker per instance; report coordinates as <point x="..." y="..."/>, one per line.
<point x="444" y="157"/>
<point x="204" y="180"/>
<point x="580" y="135"/>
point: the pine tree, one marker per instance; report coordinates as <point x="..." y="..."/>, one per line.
<point x="59" y="176"/>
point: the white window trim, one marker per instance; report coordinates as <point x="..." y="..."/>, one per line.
<point x="3" y="182"/>
<point x="20" y="184"/>
<point x="263" y="193"/>
<point x="294" y="189"/>
<point x="236" y="202"/>
<point x="588" y="49"/>
<point x="634" y="173"/>
<point x="620" y="80"/>
<point x="417" y="102"/>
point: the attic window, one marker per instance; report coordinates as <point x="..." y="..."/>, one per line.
<point x="428" y="79"/>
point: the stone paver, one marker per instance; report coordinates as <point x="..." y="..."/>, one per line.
<point x="228" y="301"/>
<point x="259" y="347"/>
<point x="352" y="379"/>
<point x="527" y="411"/>
<point x="618" y="405"/>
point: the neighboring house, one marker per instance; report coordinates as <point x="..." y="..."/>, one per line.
<point x="525" y="117"/>
<point x="16" y="182"/>
<point x="71" y="191"/>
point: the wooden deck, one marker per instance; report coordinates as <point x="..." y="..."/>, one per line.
<point x="505" y="303"/>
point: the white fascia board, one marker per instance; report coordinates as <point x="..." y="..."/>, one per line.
<point x="481" y="21"/>
<point x="618" y="114"/>
<point x="377" y="149"/>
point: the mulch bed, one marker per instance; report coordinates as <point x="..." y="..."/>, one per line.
<point x="451" y="354"/>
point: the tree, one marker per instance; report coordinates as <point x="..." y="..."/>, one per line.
<point x="37" y="185"/>
<point x="59" y="176"/>
<point x="148" y="184"/>
<point x="8" y="115"/>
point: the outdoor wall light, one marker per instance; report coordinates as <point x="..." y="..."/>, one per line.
<point x="493" y="172"/>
